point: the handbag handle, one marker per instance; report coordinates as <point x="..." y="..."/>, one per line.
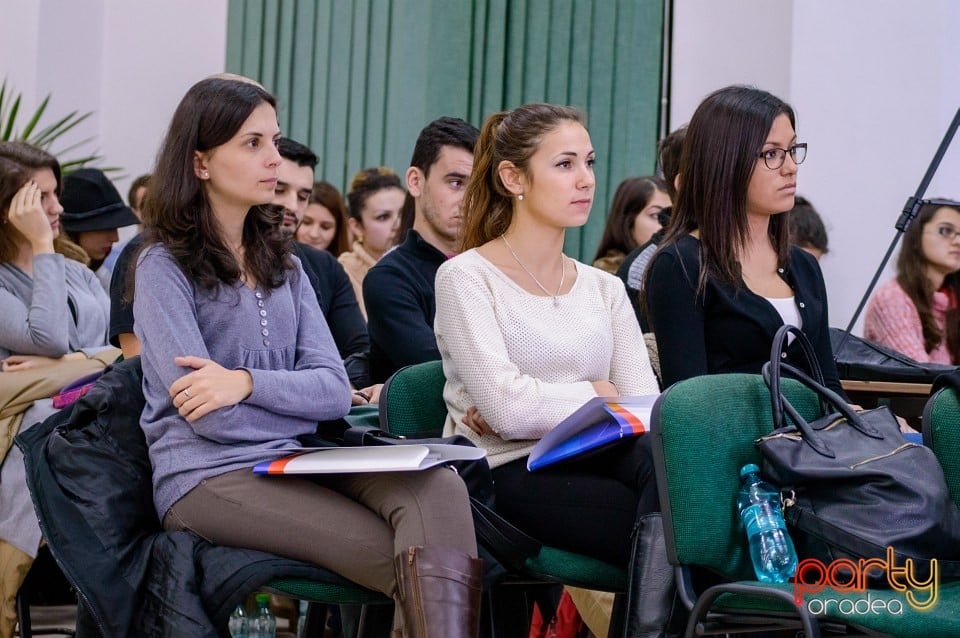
<point x="809" y="435"/>
<point x="776" y="358"/>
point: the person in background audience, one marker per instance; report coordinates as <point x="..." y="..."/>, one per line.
<point x="327" y="277"/>
<point x="135" y="195"/>
<point x="806" y="228"/>
<point x="324" y="221"/>
<point x="52" y="311"/>
<point x="527" y="335"/>
<point x="52" y="306"/>
<point x="635" y="216"/>
<point x="92" y="213"/>
<point x="375" y="199"/>
<point x="138" y="190"/>
<point x="237" y="362"/>
<point x="399" y="289"/>
<point x="725" y="277"/>
<point x="917" y="312"/>
<point x="634" y="265"/>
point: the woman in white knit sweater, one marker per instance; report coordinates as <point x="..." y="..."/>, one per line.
<point x="527" y="335"/>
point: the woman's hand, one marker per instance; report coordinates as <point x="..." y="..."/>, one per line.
<point x="475" y="422"/>
<point x="26" y="214"/>
<point x="605" y="388"/>
<point x="905" y="427"/>
<point x="370" y="394"/>
<point x="209" y="387"/>
<point x="20" y="362"/>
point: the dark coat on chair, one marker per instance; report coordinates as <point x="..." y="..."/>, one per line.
<point x="89" y="475"/>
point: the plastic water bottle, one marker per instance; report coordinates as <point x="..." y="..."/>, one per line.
<point x="771" y="550"/>
<point x="239" y="624"/>
<point x="263" y="624"/>
<point x="302" y="619"/>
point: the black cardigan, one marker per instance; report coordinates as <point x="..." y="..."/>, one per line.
<point x="726" y="329"/>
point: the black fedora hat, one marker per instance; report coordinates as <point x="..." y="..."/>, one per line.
<point x="91" y="202"/>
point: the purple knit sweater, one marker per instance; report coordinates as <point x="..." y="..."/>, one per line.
<point x="278" y="335"/>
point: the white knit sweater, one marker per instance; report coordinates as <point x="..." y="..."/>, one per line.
<point x="525" y="363"/>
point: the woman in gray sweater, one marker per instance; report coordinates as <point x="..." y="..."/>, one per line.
<point x="52" y="306"/>
<point x="238" y="361"/>
<point x="52" y="309"/>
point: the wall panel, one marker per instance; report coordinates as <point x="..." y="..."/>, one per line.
<point x="357" y="80"/>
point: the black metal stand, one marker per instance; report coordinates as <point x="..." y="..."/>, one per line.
<point x="910" y="210"/>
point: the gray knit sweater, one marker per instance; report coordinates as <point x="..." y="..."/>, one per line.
<point x="62" y="308"/>
<point x="279" y="336"/>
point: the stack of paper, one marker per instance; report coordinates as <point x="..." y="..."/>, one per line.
<point x="380" y="458"/>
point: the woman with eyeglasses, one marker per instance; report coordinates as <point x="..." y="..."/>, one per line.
<point x="726" y="276"/>
<point x="917" y="313"/>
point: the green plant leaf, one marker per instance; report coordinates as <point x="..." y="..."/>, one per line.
<point x="13" y="118"/>
<point x="43" y="135"/>
<point x="28" y="129"/>
<point x="46" y="137"/>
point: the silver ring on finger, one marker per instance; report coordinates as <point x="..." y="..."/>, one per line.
<point x="186" y="393"/>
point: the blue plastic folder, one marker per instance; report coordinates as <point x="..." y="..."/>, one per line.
<point x="598" y="422"/>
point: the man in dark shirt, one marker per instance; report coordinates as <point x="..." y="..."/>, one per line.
<point x="327" y="277"/>
<point x="399" y="290"/>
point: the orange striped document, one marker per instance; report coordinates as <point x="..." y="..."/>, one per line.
<point x="597" y="423"/>
<point x="377" y="458"/>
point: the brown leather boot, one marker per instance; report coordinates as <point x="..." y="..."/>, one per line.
<point x="438" y="591"/>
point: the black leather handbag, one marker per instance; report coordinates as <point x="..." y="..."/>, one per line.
<point x="853" y="486"/>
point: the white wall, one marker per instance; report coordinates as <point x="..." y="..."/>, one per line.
<point x="128" y="62"/>
<point x="874" y="83"/>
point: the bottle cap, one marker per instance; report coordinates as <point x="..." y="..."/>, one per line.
<point x="263" y="598"/>
<point x="749" y="468"/>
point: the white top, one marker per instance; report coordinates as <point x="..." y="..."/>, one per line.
<point x="525" y="363"/>
<point x="786" y="307"/>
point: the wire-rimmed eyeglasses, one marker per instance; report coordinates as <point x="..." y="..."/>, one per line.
<point x="775" y="157"/>
<point x="946" y="231"/>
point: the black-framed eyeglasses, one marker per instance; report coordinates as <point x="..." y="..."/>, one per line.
<point x="947" y="232"/>
<point x="775" y="157"/>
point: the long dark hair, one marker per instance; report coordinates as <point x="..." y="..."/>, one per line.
<point x="632" y="196"/>
<point x="176" y="210"/>
<point x="513" y="136"/>
<point x="912" y="277"/>
<point x="719" y="155"/>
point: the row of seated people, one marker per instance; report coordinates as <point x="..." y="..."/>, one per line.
<point x="240" y="349"/>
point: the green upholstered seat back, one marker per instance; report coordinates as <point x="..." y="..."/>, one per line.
<point x="411" y="402"/>
<point x="941" y="433"/>
<point x="704" y="431"/>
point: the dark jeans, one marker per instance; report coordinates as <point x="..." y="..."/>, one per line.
<point x="587" y="505"/>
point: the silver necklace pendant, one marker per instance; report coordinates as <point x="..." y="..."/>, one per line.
<point x="563" y="273"/>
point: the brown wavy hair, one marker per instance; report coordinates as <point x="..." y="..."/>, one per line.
<point x="513" y="136"/>
<point x="912" y="277"/>
<point x="176" y="210"/>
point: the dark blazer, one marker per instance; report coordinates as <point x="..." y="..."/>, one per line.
<point x="727" y="329"/>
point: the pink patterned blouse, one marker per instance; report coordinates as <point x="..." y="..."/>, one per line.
<point x="893" y="321"/>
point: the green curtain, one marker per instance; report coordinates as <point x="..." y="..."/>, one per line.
<point x="357" y="80"/>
